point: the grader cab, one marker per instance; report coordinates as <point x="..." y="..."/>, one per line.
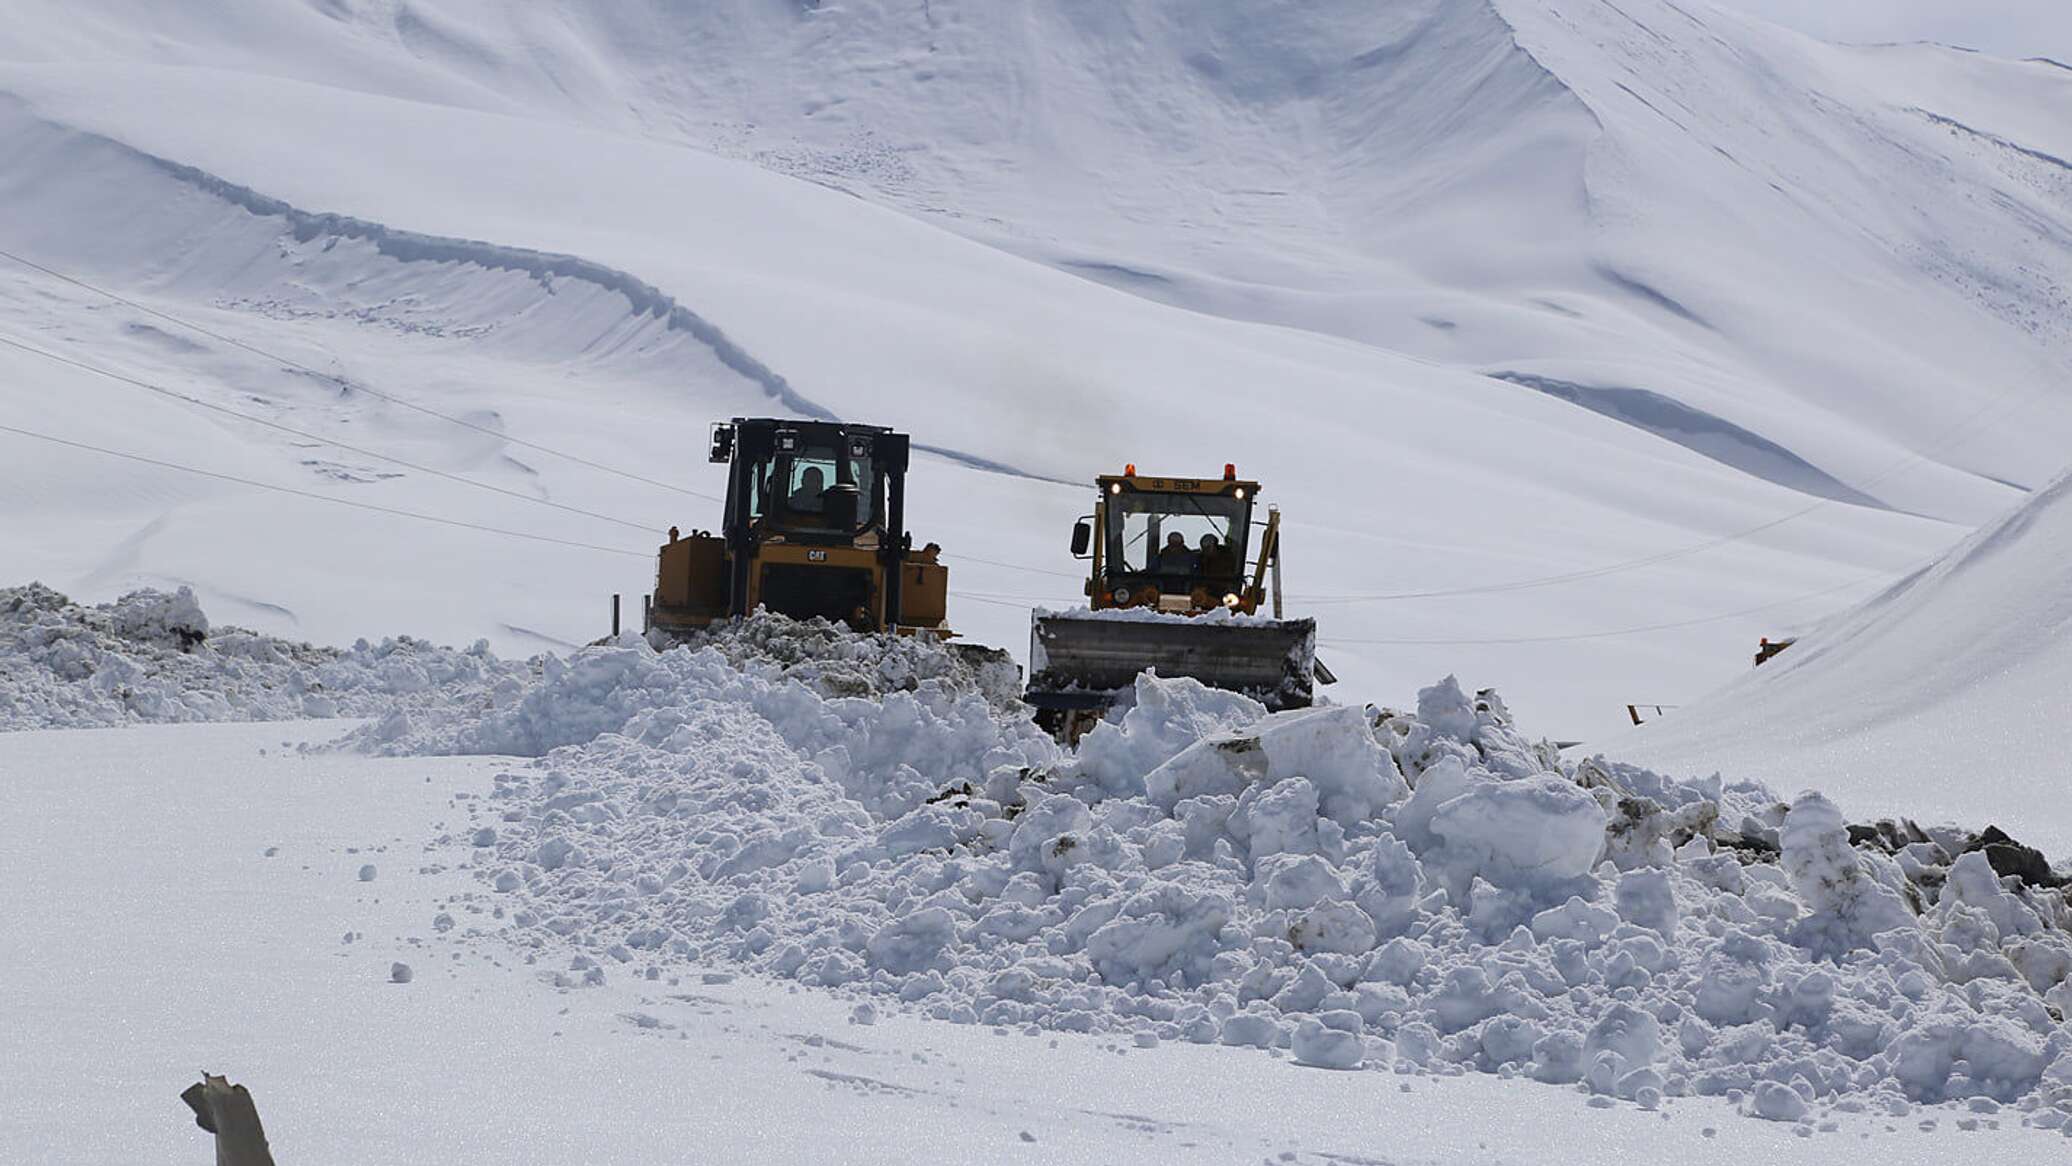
<point x="1178" y="572"/>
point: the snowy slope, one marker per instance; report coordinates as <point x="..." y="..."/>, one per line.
<point x="1943" y="697"/>
<point x="1359" y="214"/>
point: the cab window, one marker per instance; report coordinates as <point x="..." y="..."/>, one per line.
<point x="1192" y="535"/>
<point x="791" y="489"/>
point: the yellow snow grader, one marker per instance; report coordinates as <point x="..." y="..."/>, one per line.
<point x="814" y="525"/>
<point x="1175" y="584"/>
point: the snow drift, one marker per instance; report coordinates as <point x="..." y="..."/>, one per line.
<point x="152" y="657"/>
<point x="1432" y="887"/>
<point x="1880" y="701"/>
<point x="1427" y="891"/>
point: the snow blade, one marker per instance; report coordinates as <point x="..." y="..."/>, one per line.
<point x="1077" y="662"/>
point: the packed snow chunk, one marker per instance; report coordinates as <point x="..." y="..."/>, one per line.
<point x="158" y="618"/>
<point x="1776" y="1101"/>
<point x="1165" y="717"/>
<point x="1283" y="819"/>
<point x="1848" y="906"/>
<point x="1390" y="888"/>
<point x="1333" y="927"/>
<point x="1646" y="898"/>
<point x="1323" y="1047"/>
<point x="1575" y="920"/>
<point x="1254" y="1029"/>
<point x="1297" y="881"/>
<point x="1047" y="834"/>
<point x="1624" y="1041"/>
<point x="913" y="943"/>
<point x="933" y="827"/>
<point x="1332" y="748"/>
<point x="1446" y="710"/>
<point x="1165" y="932"/>
<point x="1529" y="833"/>
<point x="1986" y="1056"/>
<point x="1972" y="882"/>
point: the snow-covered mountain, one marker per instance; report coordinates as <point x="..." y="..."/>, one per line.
<point x="1942" y="697"/>
<point x="1589" y="318"/>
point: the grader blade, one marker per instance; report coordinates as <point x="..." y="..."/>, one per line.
<point x="1080" y="662"/>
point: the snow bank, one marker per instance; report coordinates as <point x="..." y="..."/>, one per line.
<point x="152" y="656"/>
<point x="1422" y="892"/>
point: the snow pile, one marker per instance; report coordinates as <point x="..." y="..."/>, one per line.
<point x="152" y="656"/>
<point x="1427" y="891"/>
<point x="822" y="685"/>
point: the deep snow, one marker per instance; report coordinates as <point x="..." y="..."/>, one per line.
<point x="1424" y="892"/>
<point x="125" y="996"/>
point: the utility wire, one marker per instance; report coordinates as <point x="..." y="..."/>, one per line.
<point x="455" y="522"/>
<point x="372" y="392"/>
<point x="963" y="558"/>
<point x="1952" y="440"/>
<point x="215" y="408"/>
<point x="1605" y="635"/>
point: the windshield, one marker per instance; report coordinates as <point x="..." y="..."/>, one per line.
<point x="792" y="489"/>
<point x="1192" y="535"/>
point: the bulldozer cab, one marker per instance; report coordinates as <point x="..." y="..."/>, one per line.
<point x="1173" y="544"/>
<point x="811" y="482"/>
<point x="814" y="525"/>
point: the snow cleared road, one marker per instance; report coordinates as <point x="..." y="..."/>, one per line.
<point x="150" y="936"/>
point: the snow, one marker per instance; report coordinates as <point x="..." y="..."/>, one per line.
<point x="1357" y="887"/>
<point x="1415" y="213"/>
<point x="1939" y="699"/>
<point x="738" y="1067"/>
<point x="1580" y="344"/>
<point x="1149" y="615"/>
<point x="1429" y="892"/>
<point x="152" y="656"/>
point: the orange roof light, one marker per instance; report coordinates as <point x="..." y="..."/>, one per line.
<point x="1130" y="470"/>
<point x="1230" y="471"/>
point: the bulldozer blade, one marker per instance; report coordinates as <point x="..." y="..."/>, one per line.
<point x="1077" y="662"/>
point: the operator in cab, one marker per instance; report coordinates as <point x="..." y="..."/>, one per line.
<point x="1217" y="561"/>
<point x="806" y="497"/>
<point x="1176" y="558"/>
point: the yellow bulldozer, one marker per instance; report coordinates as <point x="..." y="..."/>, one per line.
<point x="1175" y="584"/>
<point x="814" y="525"/>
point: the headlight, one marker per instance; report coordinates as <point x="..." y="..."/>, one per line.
<point x="1121" y="597"/>
<point x="1241" y="493"/>
<point x="1230" y="601"/>
<point x="1115" y="487"/>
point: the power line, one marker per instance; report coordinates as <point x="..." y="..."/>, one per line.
<point x="455" y="522"/>
<point x="1605" y="635"/>
<point x="1013" y="566"/>
<point x="341" y="382"/>
<point x="213" y="407"/>
<point x="1952" y="440"/>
